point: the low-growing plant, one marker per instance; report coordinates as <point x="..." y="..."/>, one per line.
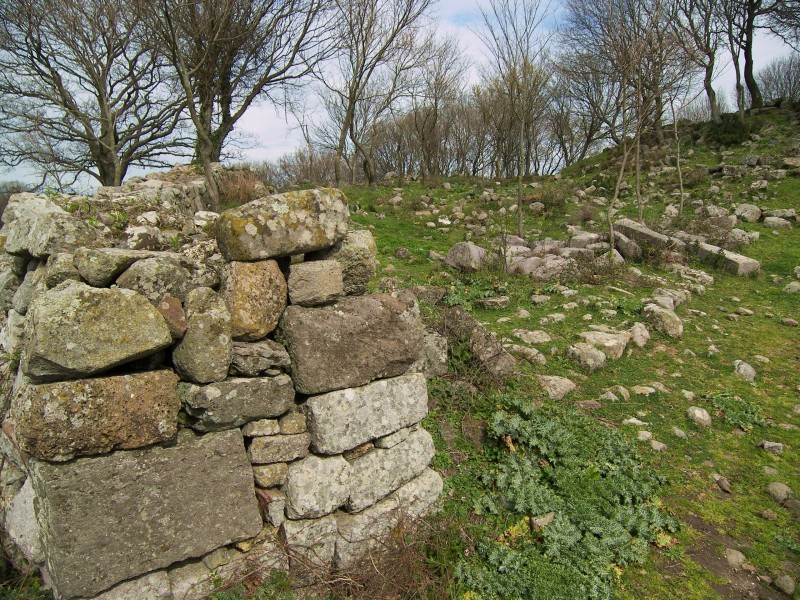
<point x="580" y="505"/>
<point x="737" y="411"/>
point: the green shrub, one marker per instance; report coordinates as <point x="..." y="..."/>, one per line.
<point x="729" y="131"/>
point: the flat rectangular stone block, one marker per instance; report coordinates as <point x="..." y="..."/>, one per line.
<point x="112" y="518"/>
<point x="736" y="264"/>
<point x="278" y="448"/>
<point x="380" y="472"/>
<point x="342" y="420"/>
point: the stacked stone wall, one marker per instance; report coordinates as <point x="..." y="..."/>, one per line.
<point x="174" y="421"/>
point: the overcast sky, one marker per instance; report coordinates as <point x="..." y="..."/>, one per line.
<point x="271" y="133"/>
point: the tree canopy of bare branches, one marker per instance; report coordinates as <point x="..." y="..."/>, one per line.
<point x="229" y="54"/>
<point x="82" y="93"/>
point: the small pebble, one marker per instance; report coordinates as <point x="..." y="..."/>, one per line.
<point x="771" y="447"/>
<point x="644" y="436"/>
<point x="658" y="446"/>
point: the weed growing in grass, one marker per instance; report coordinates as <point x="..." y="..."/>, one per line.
<point x="737" y="411"/>
<point x="580" y="503"/>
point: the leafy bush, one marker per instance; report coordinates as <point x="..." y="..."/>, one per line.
<point x="737" y="411"/>
<point x="729" y="131"/>
<point x="588" y="482"/>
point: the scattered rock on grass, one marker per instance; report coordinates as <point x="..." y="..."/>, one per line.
<point x="699" y="415"/>
<point x="771" y="447"/>
<point x="744" y="370"/>
<point x="556" y="387"/>
<point x="786" y="584"/>
<point x="780" y="492"/>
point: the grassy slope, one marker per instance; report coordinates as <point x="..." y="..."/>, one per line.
<point x="710" y="519"/>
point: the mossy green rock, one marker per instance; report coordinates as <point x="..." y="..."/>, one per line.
<point x="76" y="330"/>
<point x="283" y="225"/>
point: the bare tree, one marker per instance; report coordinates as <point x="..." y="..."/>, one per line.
<point x="516" y="38"/>
<point x="82" y="93"/>
<point x="374" y="37"/>
<point x="440" y="83"/>
<point x="229" y="54"/>
<point x="780" y="79"/>
<point x="700" y="34"/>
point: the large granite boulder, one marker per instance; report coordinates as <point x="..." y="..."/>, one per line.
<point x="256" y="297"/>
<point x="167" y="275"/>
<point x="381" y="471"/>
<point x="111" y="518"/>
<point x="748" y="212"/>
<point x="664" y="320"/>
<point x="204" y="354"/>
<point x="40" y="229"/>
<point x="75" y="330"/>
<point x="357" y="255"/>
<point x="344" y="419"/>
<point x="283" y="225"/>
<point x="58" y="421"/>
<point x="350" y="343"/>
<point x="234" y="402"/>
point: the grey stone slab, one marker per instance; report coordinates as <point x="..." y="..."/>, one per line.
<point x="343" y="419"/>
<point x="350" y="343"/>
<point x="112" y="518"/>
<point x="380" y="472"/>
<point x="234" y="402"/>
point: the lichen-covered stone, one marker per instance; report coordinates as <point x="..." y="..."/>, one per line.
<point x="60" y="268"/>
<point x="664" y="320"/>
<point x="612" y="344"/>
<point x="42" y="229"/>
<point x="283" y="225"/>
<point x="259" y="358"/>
<point x="204" y="353"/>
<point x="256" y="297"/>
<point x="315" y="283"/>
<point x="311" y="544"/>
<point x="101" y="266"/>
<point x="32" y="286"/>
<point x="75" y="330"/>
<point x="350" y="343"/>
<point x="380" y="472"/>
<point x="58" y="421"/>
<point x="344" y="419"/>
<point x="357" y="254"/>
<point x="278" y="448"/>
<point x="466" y="256"/>
<point x="234" y="402"/>
<point x="268" y="476"/>
<point x="111" y="518"/>
<point x="167" y="275"/>
<point x="361" y="533"/>
<point x="316" y="486"/>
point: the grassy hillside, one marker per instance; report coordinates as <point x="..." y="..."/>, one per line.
<point x="618" y="497"/>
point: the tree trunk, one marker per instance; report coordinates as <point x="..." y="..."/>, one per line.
<point x="713" y="105"/>
<point x="756" y="101"/>
<point x="520" y="142"/>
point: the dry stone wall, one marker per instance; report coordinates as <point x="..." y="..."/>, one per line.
<point x="174" y="420"/>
